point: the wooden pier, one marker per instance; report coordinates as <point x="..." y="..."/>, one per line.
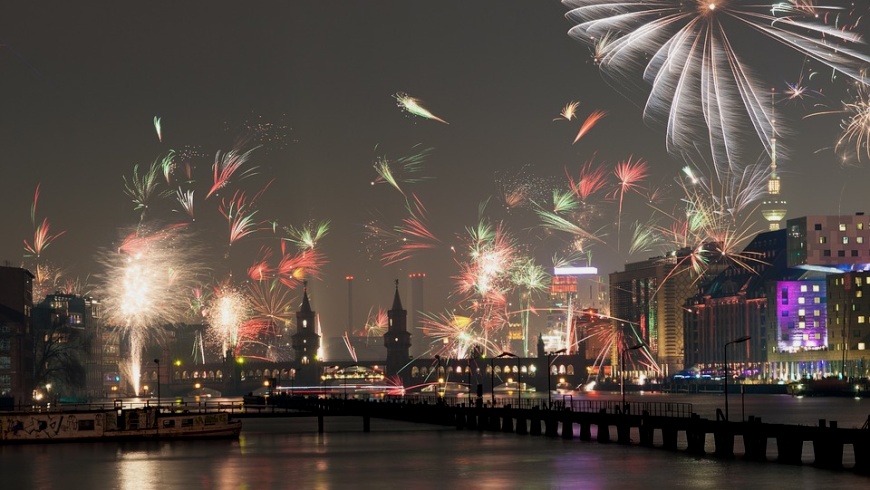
<point x="650" y="421"/>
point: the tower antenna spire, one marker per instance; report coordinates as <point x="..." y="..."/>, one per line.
<point x="774" y="207"/>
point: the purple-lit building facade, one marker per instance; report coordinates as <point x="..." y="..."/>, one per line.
<point x="839" y="248"/>
<point x="736" y="304"/>
<point x="801" y="315"/>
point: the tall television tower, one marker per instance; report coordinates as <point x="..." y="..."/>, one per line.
<point x="774" y="207"/>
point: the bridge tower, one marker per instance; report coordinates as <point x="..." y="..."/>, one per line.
<point x="306" y="342"/>
<point x="397" y="340"/>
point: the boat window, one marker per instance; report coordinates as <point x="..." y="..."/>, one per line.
<point x="168" y="424"/>
<point x="86" y="424"/>
<point x="187" y="422"/>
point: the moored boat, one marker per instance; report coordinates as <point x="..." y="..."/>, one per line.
<point x="147" y="423"/>
<point x="829" y="387"/>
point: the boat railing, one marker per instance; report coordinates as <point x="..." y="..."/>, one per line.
<point x="164" y="407"/>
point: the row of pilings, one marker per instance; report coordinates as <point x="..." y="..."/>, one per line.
<point x="828" y="440"/>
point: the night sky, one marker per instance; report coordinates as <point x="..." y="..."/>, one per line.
<point x="82" y="84"/>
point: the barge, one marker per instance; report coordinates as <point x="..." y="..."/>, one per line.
<point x="119" y="424"/>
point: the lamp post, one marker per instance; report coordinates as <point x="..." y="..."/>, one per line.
<point x="551" y="356"/>
<point x="622" y="372"/>
<point x="492" y="371"/>
<point x="157" y="361"/>
<point x="735" y="341"/>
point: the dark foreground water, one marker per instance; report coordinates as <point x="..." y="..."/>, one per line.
<point x="288" y="453"/>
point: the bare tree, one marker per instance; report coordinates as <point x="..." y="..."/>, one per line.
<point x="59" y="356"/>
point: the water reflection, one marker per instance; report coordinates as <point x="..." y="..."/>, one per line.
<point x="285" y="453"/>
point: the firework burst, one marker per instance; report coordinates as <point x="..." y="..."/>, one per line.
<point x="855" y="137"/>
<point x="414" y="234"/>
<point x="521" y="189"/>
<point x="42" y="236"/>
<point x="146" y="284"/>
<point x="227" y="166"/>
<point x="698" y="85"/>
<point x="590" y="122"/>
<point x="628" y="174"/>
<point x="415" y="107"/>
<point x="158" y="129"/>
<point x="454" y="336"/>
<point x="404" y="170"/>
<point x="185" y="199"/>
<point x="569" y="112"/>
<point x="145" y="187"/>
<point x="46" y="276"/>
<point x="227" y="314"/>
<point x="307" y="236"/>
<point x="377" y="322"/>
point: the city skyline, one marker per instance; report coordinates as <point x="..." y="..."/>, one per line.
<point x="316" y="84"/>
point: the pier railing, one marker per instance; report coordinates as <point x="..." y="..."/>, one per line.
<point x="656" y="409"/>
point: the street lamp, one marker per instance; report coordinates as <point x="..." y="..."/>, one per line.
<point x="622" y="372"/>
<point x="492" y="371"/>
<point x="157" y="361"/>
<point x="735" y="341"/>
<point x="551" y="356"/>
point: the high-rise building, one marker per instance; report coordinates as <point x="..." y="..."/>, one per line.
<point x="573" y="290"/>
<point x="646" y="302"/>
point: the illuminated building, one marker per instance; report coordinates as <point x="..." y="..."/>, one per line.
<point x="572" y="291"/>
<point x="739" y="301"/>
<point x="811" y="325"/>
<point x="646" y="303"/>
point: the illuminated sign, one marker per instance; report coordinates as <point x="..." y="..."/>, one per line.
<point x="574" y="271"/>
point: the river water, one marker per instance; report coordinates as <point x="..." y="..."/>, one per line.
<point x="289" y="453"/>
